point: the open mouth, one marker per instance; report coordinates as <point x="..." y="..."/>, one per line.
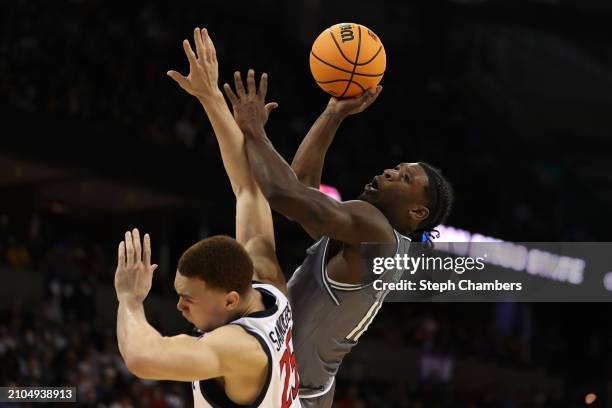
<point x="375" y="183"/>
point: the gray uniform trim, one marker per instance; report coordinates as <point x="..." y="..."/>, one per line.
<point x="331" y="316"/>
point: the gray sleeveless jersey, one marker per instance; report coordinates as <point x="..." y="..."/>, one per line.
<point x="330" y="316"/>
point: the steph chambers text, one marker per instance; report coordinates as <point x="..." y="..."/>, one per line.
<point x="462" y="285"/>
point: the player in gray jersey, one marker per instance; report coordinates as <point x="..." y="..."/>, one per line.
<point x="332" y="301"/>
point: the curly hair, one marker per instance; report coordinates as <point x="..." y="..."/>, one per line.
<point x="220" y="261"/>
<point x="440" y="200"/>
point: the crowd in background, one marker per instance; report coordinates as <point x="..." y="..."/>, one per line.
<point x="62" y="340"/>
<point x="105" y="72"/>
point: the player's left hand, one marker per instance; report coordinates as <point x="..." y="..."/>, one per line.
<point x="250" y="109"/>
<point x="134" y="274"/>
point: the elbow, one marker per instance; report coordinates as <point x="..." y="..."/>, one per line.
<point x="137" y="365"/>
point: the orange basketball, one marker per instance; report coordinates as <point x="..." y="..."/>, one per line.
<point x="346" y="59"/>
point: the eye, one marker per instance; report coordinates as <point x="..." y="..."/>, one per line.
<point x="406" y="178"/>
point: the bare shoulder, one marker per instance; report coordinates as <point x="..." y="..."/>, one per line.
<point x="371" y="218"/>
<point x="237" y="347"/>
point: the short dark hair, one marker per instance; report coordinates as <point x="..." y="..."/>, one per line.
<point x="220" y="261"/>
<point x="440" y="200"/>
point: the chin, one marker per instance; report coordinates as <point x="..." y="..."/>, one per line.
<point x="365" y="196"/>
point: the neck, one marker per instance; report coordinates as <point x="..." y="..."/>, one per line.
<point x="397" y="221"/>
<point x="251" y="303"/>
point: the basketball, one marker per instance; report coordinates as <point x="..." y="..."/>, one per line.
<point x="346" y="59"/>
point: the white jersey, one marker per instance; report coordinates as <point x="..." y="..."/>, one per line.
<point x="272" y="327"/>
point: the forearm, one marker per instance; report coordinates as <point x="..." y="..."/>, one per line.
<point x="134" y="333"/>
<point x="231" y="143"/>
<point x="310" y="156"/>
<point x="270" y="170"/>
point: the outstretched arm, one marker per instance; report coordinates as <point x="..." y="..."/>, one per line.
<point x="254" y="226"/>
<point x="351" y="222"/>
<point x="147" y="354"/>
<point x="310" y="156"/>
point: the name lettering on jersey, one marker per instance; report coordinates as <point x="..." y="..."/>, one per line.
<point x="283" y="323"/>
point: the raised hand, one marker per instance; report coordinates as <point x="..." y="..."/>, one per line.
<point x="250" y="109"/>
<point x="134" y="274"/>
<point x="351" y="106"/>
<point x="203" y="78"/>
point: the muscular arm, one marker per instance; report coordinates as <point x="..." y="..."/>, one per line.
<point x="310" y="156"/>
<point x="221" y="353"/>
<point x="350" y="222"/>
<point x="254" y="225"/>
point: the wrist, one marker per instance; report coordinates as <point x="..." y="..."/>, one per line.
<point x="214" y="97"/>
<point x="334" y="114"/>
<point x="256" y="131"/>
<point x="129" y="300"/>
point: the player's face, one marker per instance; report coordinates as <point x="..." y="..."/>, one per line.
<point x="201" y="305"/>
<point x="401" y="188"/>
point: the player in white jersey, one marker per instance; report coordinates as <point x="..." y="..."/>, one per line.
<point x="272" y="328"/>
<point x="245" y="356"/>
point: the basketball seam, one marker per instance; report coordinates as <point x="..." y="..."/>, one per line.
<point x="342" y="80"/>
<point x="371" y="59"/>
<point x="355" y="63"/>
<point x="342" y="69"/>
<point x="340" y="49"/>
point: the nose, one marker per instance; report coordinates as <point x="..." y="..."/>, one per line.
<point x="179" y="306"/>
<point x="389" y="174"/>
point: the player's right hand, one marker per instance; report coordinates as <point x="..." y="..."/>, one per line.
<point x="134" y="274"/>
<point x="350" y="106"/>
<point x="203" y="78"/>
<point x="250" y="109"/>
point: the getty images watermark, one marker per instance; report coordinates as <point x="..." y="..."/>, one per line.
<point x="459" y="265"/>
<point x="491" y="271"/>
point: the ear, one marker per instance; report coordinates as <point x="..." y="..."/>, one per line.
<point x="231" y="300"/>
<point x="419" y="213"/>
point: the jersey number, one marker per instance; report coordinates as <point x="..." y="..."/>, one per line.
<point x="288" y="364"/>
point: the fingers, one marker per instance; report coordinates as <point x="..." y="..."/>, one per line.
<point x="263" y="86"/>
<point x="146" y="255"/>
<point x="238" y="85"/>
<point x="190" y="55"/>
<point x="137" y="245"/>
<point x="230" y="94"/>
<point x="209" y="47"/>
<point x="178" y="78"/>
<point x="121" y="255"/>
<point x="270" y="107"/>
<point x="251" y="82"/>
<point x="372" y="94"/>
<point x="197" y="39"/>
<point x="251" y="88"/>
<point x="129" y="250"/>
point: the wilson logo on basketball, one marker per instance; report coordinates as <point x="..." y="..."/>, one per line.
<point x="346" y="32"/>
